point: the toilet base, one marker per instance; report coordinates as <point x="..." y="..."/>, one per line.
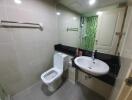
<point x="55" y="85"/>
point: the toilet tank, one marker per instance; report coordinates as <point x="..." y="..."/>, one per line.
<point x="61" y="61"/>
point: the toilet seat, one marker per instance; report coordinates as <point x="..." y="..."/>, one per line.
<point x="50" y="75"/>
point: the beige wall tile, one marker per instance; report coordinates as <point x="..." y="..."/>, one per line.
<point x="65" y="20"/>
<point x="26" y="53"/>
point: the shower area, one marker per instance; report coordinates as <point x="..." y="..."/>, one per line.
<point x="88" y="27"/>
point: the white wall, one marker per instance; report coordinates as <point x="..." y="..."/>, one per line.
<point x="26" y="53"/>
<point x="65" y="20"/>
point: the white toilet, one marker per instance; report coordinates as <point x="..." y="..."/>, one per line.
<point x="52" y="77"/>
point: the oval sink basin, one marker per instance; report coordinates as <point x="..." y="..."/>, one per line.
<point x="94" y="67"/>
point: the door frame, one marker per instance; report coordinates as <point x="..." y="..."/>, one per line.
<point x="124" y="84"/>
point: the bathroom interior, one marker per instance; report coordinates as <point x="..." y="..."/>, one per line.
<point x="65" y="50"/>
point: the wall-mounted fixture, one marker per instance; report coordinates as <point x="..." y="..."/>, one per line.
<point x="72" y="29"/>
<point x="15" y="24"/>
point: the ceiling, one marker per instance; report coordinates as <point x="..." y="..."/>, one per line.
<point x="83" y="7"/>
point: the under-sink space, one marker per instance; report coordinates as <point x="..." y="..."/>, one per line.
<point x="94" y="84"/>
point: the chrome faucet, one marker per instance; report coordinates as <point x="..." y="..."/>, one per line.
<point x="93" y="55"/>
<point x="93" y="58"/>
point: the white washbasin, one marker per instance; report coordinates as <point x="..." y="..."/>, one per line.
<point x="96" y="67"/>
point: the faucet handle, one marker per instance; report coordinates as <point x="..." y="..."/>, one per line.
<point x="96" y="51"/>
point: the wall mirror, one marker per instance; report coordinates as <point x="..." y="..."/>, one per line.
<point x="93" y="25"/>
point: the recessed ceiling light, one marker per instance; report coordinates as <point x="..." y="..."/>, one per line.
<point x="18" y="1"/>
<point x="91" y="2"/>
<point x="58" y="13"/>
<point x="99" y="13"/>
<point x="74" y="18"/>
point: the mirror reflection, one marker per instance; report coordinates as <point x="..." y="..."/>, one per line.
<point x="97" y="28"/>
<point x="100" y="32"/>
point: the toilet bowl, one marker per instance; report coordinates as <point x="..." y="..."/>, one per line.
<point x="52" y="77"/>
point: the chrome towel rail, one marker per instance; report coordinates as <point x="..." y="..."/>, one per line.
<point x="72" y="29"/>
<point x="15" y="24"/>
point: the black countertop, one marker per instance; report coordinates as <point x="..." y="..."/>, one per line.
<point x="111" y="60"/>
